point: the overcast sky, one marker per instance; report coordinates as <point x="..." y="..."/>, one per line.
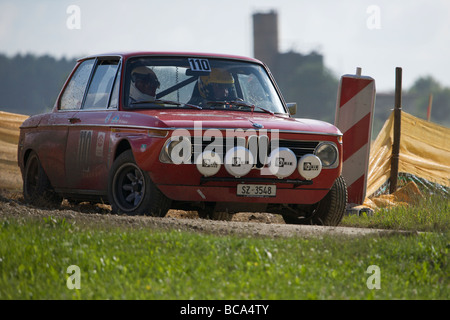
<point x="376" y="35"/>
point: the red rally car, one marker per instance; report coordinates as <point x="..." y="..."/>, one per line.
<point x="150" y="131"/>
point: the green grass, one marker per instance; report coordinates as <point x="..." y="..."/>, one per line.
<point x="144" y="263"/>
<point x="432" y="214"/>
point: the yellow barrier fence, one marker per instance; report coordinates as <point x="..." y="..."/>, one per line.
<point x="424" y="153"/>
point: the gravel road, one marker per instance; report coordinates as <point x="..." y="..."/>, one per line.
<point x="246" y="224"/>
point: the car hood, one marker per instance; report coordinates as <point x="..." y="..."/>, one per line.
<point x="192" y="119"/>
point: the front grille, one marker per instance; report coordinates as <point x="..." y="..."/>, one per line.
<point x="300" y="148"/>
<point x="221" y="146"/>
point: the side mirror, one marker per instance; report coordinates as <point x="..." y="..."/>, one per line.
<point x="292" y="107"/>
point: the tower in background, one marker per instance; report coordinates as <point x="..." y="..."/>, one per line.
<point x="265" y="47"/>
<point x="265" y="37"/>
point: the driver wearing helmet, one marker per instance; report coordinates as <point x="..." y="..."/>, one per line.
<point x="144" y="83"/>
<point x="217" y="86"/>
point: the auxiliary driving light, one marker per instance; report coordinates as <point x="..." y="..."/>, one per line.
<point x="282" y="162"/>
<point x="309" y="166"/>
<point x="208" y="163"/>
<point x="238" y="161"/>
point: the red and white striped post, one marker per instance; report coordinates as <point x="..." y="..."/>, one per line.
<point x="354" y="110"/>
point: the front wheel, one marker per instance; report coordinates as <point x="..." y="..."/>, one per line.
<point x="131" y="191"/>
<point x="328" y="212"/>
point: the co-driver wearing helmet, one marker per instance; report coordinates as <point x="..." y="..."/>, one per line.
<point x="144" y="83"/>
<point x="217" y="86"/>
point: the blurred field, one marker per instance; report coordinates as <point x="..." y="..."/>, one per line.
<point x="10" y="177"/>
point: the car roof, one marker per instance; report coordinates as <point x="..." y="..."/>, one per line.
<point x="126" y="55"/>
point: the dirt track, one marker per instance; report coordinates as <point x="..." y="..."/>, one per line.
<point x="251" y="224"/>
<point x="247" y="224"/>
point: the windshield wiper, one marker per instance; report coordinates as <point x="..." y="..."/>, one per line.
<point x="161" y="101"/>
<point x="241" y="104"/>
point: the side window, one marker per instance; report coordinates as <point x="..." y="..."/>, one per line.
<point x="101" y="85"/>
<point x="72" y="96"/>
<point x="114" y="102"/>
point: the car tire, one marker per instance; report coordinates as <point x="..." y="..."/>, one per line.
<point x="37" y="189"/>
<point x="327" y="212"/>
<point x="132" y="192"/>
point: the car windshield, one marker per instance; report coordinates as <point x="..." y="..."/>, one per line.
<point x="200" y="83"/>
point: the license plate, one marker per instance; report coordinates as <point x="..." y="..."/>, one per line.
<point x="256" y="190"/>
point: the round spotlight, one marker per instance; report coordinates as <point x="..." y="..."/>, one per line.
<point x="208" y="163"/>
<point x="238" y="161"/>
<point x="282" y="162"/>
<point x="309" y="166"/>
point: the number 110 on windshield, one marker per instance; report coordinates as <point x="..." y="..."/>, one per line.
<point x="199" y="64"/>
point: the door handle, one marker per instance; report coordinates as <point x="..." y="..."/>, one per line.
<point x="74" y="120"/>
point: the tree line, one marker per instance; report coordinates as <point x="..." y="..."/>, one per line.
<point x="30" y="84"/>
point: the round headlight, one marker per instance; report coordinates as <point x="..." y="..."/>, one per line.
<point x="327" y="153"/>
<point x="178" y="149"/>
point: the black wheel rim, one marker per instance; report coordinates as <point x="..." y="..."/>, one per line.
<point x="129" y="187"/>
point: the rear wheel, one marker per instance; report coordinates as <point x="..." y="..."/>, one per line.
<point x="37" y="189"/>
<point x="131" y="191"/>
<point x="328" y="212"/>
